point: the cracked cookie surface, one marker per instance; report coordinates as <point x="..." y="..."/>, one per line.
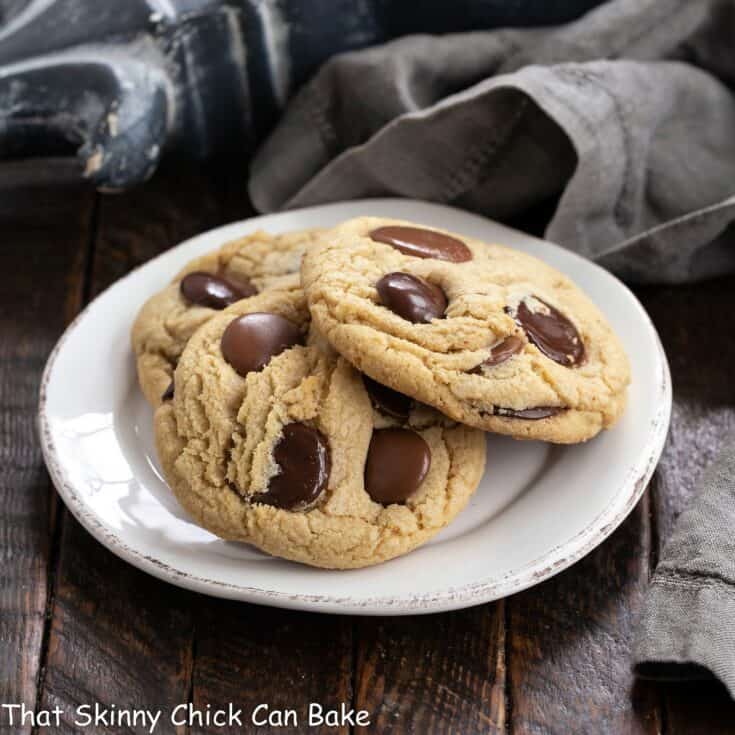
<point x="273" y="439"/>
<point x="490" y="336"/>
<point x="239" y="269"/>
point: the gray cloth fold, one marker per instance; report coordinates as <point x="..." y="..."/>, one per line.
<point x="688" y="624"/>
<point x="623" y="121"/>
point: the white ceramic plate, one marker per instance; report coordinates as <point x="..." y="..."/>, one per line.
<point x="538" y="509"/>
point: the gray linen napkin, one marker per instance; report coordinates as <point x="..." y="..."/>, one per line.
<point x="688" y="625"/>
<point x="622" y="124"/>
<point x="623" y="120"/>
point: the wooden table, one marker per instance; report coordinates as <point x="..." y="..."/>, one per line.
<point x="77" y="625"/>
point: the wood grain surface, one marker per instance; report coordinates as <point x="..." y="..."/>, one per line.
<point x="46" y="242"/>
<point x="77" y="625"/>
<point x="433" y="674"/>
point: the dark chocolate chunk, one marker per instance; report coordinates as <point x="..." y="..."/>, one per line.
<point x="216" y="292"/>
<point x="503" y="351"/>
<point x="530" y="414"/>
<point x="168" y="394"/>
<point x="250" y="341"/>
<point x="552" y="333"/>
<point x="398" y="461"/>
<point x="387" y="400"/>
<point x="302" y="454"/>
<point x="412" y="297"/>
<point x="423" y="243"/>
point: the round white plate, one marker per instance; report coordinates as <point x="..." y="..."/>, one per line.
<point x="538" y="509"/>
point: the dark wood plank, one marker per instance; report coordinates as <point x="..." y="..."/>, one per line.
<point x="569" y="657"/>
<point x="45" y="234"/>
<point x="34" y="191"/>
<point x="118" y="636"/>
<point x="695" y="324"/>
<point x="698" y="708"/>
<point x="433" y="674"/>
<point x="251" y="655"/>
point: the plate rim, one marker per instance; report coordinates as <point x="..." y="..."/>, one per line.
<point x="533" y="572"/>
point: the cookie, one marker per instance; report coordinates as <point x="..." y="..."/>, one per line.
<point x="239" y="269"/>
<point x="490" y="336"/>
<point x="273" y="439"/>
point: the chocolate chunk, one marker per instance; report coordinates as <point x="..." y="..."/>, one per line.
<point x="504" y="351"/>
<point x="216" y="292"/>
<point x="250" y="341"/>
<point x="530" y="414"/>
<point x="412" y="297"/>
<point x="398" y="461"/>
<point x="302" y="453"/>
<point x="168" y="394"/>
<point x="387" y="400"/>
<point x="552" y="333"/>
<point x="423" y="243"/>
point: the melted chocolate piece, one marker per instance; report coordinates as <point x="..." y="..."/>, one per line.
<point x="503" y="351"/>
<point x="302" y="453"/>
<point x="398" y="461"/>
<point x="423" y="243"/>
<point x="387" y="400"/>
<point x="250" y="341"/>
<point x="411" y="297"/>
<point x="216" y="292"/>
<point x="530" y="414"/>
<point x="168" y="394"/>
<point x="552" y="333"/>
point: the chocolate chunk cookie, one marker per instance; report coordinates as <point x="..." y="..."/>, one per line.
<point x="239" y="269"/>
<point x="273" y="439"/>
<point x="492" y="337"/>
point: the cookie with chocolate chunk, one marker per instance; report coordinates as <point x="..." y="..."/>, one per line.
<point x="239" y="269"/>
<point x="490" y="336"/>
<point x="273" y="439"/>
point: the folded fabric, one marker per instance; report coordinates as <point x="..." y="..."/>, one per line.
<point x="620" y="124"/>
<point x="688" y="625"/>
